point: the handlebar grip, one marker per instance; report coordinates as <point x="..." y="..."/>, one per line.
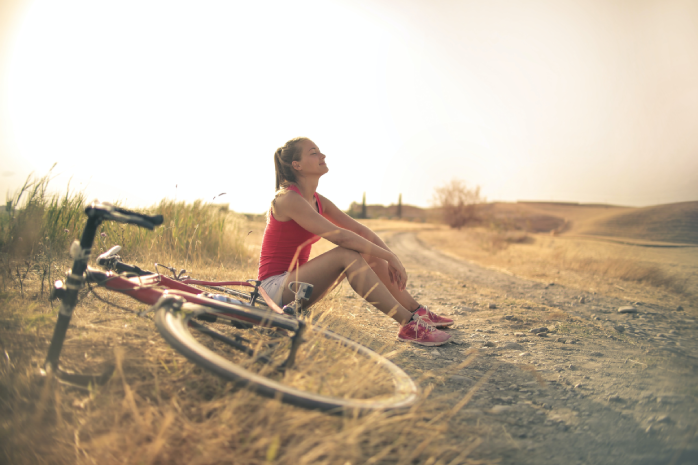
<point x="156" y="220"/>
<point x="107" y="211"/>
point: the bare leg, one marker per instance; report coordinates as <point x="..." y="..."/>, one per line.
<point x="324" y="270"/>
<point x="380" y="267"/>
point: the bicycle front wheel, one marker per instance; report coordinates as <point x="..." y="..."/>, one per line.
<point x="329" y="372"/>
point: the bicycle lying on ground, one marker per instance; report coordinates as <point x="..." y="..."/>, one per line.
<point x="254" y="343"/>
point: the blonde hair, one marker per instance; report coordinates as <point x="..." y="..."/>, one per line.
<point x="283" y="159"/>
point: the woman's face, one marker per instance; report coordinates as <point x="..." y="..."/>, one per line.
<point x="312" y="161"/>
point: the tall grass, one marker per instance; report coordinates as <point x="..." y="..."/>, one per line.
<point x="34" y="220"/>
<point x="37" y="227"/>
<point x="199" y="232"/>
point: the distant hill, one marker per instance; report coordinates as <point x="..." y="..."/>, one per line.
<point x="672" y="223"/>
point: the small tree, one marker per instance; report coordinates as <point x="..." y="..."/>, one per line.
<point x="399" y="206"/>
<point x="363" y="207"/>
<point x="458" y="204"/>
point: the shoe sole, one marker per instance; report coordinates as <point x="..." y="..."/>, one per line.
<point x="442" y="325"/>
<point x="439" y="325"/>
<point x="427" y="344"/>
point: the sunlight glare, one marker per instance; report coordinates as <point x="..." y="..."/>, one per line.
<point x="138" y="86"/>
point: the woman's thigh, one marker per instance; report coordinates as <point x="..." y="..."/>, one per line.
<point x="322" y="272"/>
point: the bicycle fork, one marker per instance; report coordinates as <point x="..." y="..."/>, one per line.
<point x="68" y="295"/>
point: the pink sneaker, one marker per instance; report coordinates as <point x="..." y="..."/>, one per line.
<point x="419" y="332"/>
<point x="432" y="318"/>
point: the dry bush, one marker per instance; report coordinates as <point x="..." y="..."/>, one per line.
<point x="457" y="203"/>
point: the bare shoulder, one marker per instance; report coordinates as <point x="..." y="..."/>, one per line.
<point x="327" y="204"/>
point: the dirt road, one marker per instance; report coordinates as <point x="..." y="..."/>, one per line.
<point x="594" y="386"/>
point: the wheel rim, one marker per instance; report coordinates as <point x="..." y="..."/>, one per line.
<point x="404" y="390"/>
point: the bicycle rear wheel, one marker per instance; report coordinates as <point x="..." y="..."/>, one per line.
<point x="329" y="372"/>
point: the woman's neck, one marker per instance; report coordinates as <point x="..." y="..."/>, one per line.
<point x="307" y="186"/>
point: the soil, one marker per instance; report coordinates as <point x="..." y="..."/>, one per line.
<point x="595" y="387"/>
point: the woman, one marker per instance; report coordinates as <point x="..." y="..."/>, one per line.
<point x="299" y="216"/>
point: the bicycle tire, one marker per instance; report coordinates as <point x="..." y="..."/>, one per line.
<point x="174" y="326"/>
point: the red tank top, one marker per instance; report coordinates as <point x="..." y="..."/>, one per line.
<point x="280" y="242"/>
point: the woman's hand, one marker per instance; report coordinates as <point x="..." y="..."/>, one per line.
<point x="398" y="275"/>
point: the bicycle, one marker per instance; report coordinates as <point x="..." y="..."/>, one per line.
<point x="283" y="363"/>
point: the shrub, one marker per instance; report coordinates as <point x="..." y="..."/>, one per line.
<point x="457" y="203"/>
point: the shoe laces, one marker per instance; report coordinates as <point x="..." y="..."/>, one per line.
<point x="419" y="322"/>
<point x="428" y="313"/>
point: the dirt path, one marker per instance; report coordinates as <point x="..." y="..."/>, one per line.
<point x="599" y="387"/>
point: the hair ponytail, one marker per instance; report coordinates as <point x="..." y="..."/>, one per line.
<point x="283" y="159"/>
<point x="278" y="168"/>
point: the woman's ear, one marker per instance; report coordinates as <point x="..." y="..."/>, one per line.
<point x="296" y="165"/>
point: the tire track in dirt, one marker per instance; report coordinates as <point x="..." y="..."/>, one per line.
<point x="612" y="397"/>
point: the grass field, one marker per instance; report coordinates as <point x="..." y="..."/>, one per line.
<point x="160" y="409"/>
<point x="613" y="250"/>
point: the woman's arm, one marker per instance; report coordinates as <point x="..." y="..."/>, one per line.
<point x="341" y="219"/>
<point x="293" y="206"/>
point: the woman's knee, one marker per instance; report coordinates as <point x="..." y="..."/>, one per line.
<point x="349" y="257"/>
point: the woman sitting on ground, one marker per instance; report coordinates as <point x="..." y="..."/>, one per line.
<point x="299" y="216"/>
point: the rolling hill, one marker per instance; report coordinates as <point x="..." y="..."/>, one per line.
<point x="675" y="223"/>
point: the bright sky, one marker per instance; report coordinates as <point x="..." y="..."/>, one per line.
<point x="577" y="100"/>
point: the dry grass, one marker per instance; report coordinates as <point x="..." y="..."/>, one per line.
<point x="673" y="223"/>
<point x="576" y="262"/>
<point x="37" y="226"/>
<point x="161" y="409"/>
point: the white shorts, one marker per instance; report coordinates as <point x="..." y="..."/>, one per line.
<point x="274" y="287"/>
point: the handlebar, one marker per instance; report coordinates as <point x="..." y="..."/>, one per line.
<point x="107" y="211"/>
